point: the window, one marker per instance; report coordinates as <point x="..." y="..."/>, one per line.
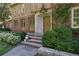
<point x="75" y="18"/>
<point x="22" y="22"/>
<point x="14" y="10"/>
<point x="29" y="5"/>
<point x="18" y="10"/>
<point x="22" y="9"/>
<point x="31" y="23"/>
<point x="45" y="5"/>
<point x="15" y="23"/>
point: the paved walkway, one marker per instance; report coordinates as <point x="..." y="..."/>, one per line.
<point x="22" y="50"/>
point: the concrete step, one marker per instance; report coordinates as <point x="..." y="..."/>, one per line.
<point x="35" y="37"/>
<point x="35" y="41"/>
<point x="33" y="44"/>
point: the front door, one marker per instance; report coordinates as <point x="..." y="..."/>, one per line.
<point x="39" y="24"/>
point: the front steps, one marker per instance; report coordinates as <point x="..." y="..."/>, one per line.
<point x="33" y="44"/>
<point x="34" y="40"/>
<point x="35" y="37"/>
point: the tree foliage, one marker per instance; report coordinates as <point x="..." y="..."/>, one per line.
<point x="4" y="11"/>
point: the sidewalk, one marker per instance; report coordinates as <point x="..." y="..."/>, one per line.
<point x="22" y="50"/>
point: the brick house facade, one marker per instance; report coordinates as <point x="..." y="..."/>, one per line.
<point x="27" y="17"/>
<point x="23" y="16"/>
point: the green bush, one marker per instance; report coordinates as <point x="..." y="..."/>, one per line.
<point x="13" y="39"/>
<point x="60" y="38"/>
<point x="9" y="38"/>
<point x="21" y="34"/>
<point x="5" y="29"/>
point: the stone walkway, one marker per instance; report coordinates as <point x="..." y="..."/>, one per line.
<point x="22" y="50"/>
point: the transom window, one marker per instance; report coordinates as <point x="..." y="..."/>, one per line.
<point x="75" y="18"/>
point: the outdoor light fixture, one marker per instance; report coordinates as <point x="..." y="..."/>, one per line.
<point x="26" y="38"/>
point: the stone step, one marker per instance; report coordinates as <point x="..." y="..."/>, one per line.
<point x="35" y="37"/>
<point x="33" y="44"/>
<point x="35" y="34"/>
<point x="35" y="41"/>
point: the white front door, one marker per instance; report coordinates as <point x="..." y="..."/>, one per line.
<point x="38" y="24"/>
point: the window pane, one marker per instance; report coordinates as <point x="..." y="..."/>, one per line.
<point x="76" y="13"/>
<point x="76" y="22"/>
<point x="22" y="22"/>
<point x="15" y="23"/>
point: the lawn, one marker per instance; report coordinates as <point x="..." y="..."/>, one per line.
<point x="4" y="47"/>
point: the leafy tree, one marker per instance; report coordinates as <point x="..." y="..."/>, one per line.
<point x="4" y="12"/>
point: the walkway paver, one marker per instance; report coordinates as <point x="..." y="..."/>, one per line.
<point x="22" y="50"/>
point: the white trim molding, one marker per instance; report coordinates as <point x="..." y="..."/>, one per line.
<point x="74" y="17"/>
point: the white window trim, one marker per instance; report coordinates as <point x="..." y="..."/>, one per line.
<point x="72" y="17"/>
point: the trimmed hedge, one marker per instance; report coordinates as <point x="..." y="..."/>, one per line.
<point x="61" y="38"/>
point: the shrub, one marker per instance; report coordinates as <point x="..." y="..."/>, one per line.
<point x="21" y="34"/>
<point x="5" y="29"/>
<point x="13" y="39"/>
<point x="10" y="38"/>
<point x="57" y="34"/>
<point x="61" y="38"/>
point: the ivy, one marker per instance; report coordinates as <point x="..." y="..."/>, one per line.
<point x="63" y="12"/>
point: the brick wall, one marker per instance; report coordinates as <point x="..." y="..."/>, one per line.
<point x="23" y="11"/>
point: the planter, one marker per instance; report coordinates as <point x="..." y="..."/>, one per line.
<point x="52" y="52"/>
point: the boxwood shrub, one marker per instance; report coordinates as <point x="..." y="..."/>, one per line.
<point x="60" y="38"/>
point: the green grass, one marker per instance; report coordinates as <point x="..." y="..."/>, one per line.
<point x="4" y="47"/>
